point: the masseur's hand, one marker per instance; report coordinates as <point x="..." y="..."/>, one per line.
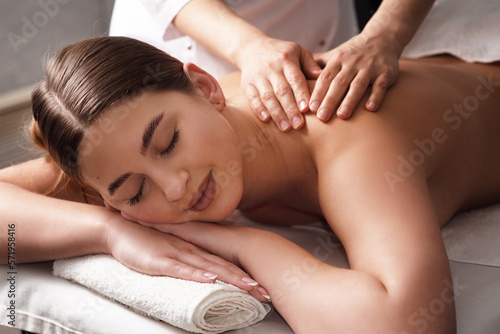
<point x="349" y="70"/>
<point x="155" y="253"/>
<point x="273" y="77"/>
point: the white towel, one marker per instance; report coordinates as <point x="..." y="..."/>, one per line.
<point x="469" y="30"/>
<point x="194" y="307"/>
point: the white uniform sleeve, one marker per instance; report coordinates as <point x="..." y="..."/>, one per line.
<point x="164" y="11"/>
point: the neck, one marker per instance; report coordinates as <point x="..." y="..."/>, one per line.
<point x="274" y="164"/>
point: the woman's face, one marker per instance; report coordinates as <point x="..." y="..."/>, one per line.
<point x="166" y="157"/>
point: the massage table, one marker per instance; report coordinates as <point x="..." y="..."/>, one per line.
<point x="48" y="304"/>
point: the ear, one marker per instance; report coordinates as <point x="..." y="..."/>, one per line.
<point x="207" y="84"/>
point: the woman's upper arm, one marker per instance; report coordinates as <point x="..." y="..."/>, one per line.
<point x="389" y="232"/>
<point x="36" y="175"/>
<point x="42" y="176"/>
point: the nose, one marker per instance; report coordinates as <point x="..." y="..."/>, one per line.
<point x="175" y="185"/>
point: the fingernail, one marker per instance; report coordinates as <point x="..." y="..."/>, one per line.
<point x="296" y="121"/>
<point x="314" y="106"/>
<point x="249" y="281"/>
<point x="343" y="111"/>
<point x="371" y="106"/>
<point x="303" y="105"/>
<point x="323" y="114"/>
<point x="210" y="275"/>
<point x="284" y="125"/>
<point x="264" y="293"/>
<point x="264" y="115"/>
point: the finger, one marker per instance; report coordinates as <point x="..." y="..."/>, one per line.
<point x="379" y="89"/>
<point x="334" y="95"/>
<point x="322" y="86"/>
<point x="258" y="108"/>
<point x="222" y="263"/>
<point x="298" y="83"/>
<point x="273" y="105"/>
<point x="357" y="90"/>
<point x="226" y="271"/>
<point x="260" y="294"/>
<point x="178" y="269"/>
<point x="320" y="59"/>
<point x="309" y="66"/>
<point x="288" y="104"/>
<point x="226" y="274"/>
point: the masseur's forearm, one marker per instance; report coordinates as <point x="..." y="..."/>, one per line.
<point x="397" y="20"/>
<point x="213" y="24"/>
<point x="45" y="228"/>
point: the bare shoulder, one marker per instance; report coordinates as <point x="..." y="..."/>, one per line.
<point x="230" y="84"/>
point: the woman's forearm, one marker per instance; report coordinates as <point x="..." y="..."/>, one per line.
<point x="46" y="228"/>
<point x="314" y="297"/>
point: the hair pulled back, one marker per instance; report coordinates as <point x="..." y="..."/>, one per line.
<point x="86" y="78"/>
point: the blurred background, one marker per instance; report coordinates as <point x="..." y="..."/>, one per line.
<point x="30" y="31"/>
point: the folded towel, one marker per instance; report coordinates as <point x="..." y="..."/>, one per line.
<point x="194" y="307"/>
<point x="469" y="30"/>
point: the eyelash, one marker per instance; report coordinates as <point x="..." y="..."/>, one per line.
<point x="137" y="198"/>
<point x="170" y="147"/>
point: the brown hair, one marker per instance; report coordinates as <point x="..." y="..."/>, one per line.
<point x="86" y="78"/>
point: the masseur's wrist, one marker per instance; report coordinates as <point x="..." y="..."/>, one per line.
<point x="385" y="36"/>
<point x="250" y="43"/>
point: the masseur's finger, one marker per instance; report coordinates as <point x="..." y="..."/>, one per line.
<point x="377" y="94"/>
<point x="323" y="85"/>
<point x="269" y="98"/>
<point x="258" y="108"/>
<point x="310" y="67"/>
<point x="300" y="92"/>
<point x="285" y="95"/>
<point x="357" y="90"/>
<point x="334" y="95"/>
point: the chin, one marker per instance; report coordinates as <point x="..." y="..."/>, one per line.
<point x="224" y="208"/>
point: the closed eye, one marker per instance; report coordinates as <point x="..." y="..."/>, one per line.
<point x="171" y="146"/>
<point x="137" y="198"/>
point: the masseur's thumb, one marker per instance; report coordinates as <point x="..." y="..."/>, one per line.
<point x="309" y="66"/>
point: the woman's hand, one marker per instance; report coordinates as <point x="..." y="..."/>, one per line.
<point x="218" y="238"/>
<point x="155" y="253"/>
<point x="273" y="77"/>
<point x="349" y="70"/>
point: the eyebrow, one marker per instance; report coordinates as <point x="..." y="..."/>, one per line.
<point x="146" y="141"/>
<point x="149" y="132"/>
<point x="118" y="183"/>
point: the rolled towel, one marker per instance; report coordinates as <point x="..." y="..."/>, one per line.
<point x="195" y="307"/>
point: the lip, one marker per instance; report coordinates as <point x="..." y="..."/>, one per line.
<point x="205" y="194"/>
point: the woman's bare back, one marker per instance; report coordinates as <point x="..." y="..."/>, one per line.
<point x="444" y="116"/>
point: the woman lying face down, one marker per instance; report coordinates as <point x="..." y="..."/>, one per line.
<point x="164" y="142"/>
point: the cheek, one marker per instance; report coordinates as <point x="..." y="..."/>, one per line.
<point x="155" y="209"/>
